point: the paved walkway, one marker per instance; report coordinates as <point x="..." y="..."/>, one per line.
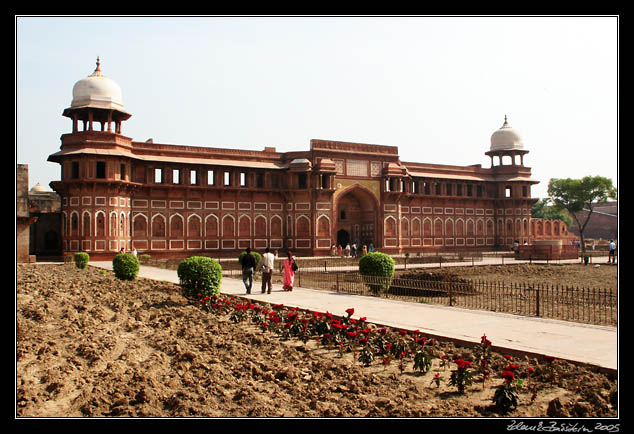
<point x="597" y="345"/>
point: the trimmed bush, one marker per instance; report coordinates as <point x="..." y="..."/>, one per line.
<point x="377" y="264"/>
<point x="125" y="266"/>
<point x="255" y="255"/>
<point x="199" y="275"/>
<point x="144" y="258"/>
<point x="81" y="259"/>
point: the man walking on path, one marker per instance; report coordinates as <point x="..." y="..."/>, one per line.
<point x="268" y="264"/>
<point x="248" y="265"/>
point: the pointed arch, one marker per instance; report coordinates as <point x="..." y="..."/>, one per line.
<point x="139" y="226"/>
<point x="176" y="225"/>
<point x="194" y="225"/>
<point x="158" y="225"/>
<point x="211" y="226"/>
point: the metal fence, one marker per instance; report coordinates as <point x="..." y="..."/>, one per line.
<point x="586" y="305"/>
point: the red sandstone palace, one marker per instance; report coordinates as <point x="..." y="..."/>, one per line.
<point x="169" y="200"/>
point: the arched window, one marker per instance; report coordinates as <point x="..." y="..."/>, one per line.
<point x="158" y="226"/>
<point x="139" y="226"/>
<point x="176" y="226"/>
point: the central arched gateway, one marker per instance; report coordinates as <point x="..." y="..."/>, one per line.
<point x="356" y="214"/>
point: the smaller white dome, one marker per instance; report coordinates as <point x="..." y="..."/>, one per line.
<point x="506" y="139"/>
<point x="97" y="91"/>
<point x="38" y="188"/>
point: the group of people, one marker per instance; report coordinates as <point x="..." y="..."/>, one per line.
<point x="134" y="252"/>
<point x="288" y="268"/>
<point x="350" y="251"/>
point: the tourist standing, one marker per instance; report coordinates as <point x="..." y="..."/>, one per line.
<point x="612" y="252"/>
<point x="268" y="264"/>
<point x="347" y="250"/>
<point x="248" y="265"/>
<point x="288" y="270"/>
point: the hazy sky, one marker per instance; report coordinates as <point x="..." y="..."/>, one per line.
<point x="436" y="87"/>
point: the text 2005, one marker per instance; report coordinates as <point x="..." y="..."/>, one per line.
<point x="607" y="428"/>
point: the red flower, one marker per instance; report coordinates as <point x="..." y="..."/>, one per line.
<point x="363" y="318"/>
<point x="353" y="334"/>
<point x="512" y="367"/>
<point x="507" y="357"/>
<point x="337" y="326"/>
<point x="421" y="341"/>
<point x="462" y="364"/>
<point x="350" y="311"/>
<point x="382" y="331"/>
<point x="508" y="375"/>
<point x="365" y="331"/>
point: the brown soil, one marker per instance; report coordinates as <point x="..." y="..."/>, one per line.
<point x="569" y="275"/>
<point x="90" y="345"/>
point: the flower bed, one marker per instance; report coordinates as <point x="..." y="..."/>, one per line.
<point x="409" y="350"/>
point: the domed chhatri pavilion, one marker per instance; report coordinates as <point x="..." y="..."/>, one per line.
<point x="175" y="201"/>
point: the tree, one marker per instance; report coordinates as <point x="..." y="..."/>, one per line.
<point x="543" y="210"/>
<point x="580" y="195"/>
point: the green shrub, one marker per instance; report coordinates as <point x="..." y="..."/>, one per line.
<point x="81" y="259"/>
<point x="377" y="264"/>
<point x="125" y="266"/>
<point x="144" y="258"/>
<point x="199" y="275"/>
<point x="255" y="255"/>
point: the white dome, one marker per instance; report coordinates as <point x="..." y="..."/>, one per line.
<point x="97" y="91"/>
<point x="506" y="139"/>
<point x="38" y="188"/>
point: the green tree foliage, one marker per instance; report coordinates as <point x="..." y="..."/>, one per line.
<point x="125" y="266"/>
<point x="577" y="196"/>
<point x="377" y="264"/>
<point x="81" y="259"/>
<point x="544" y="210"/>
<point x="199" y="275"/>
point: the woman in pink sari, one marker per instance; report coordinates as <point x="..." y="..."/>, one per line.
<point x="288" y="272"/>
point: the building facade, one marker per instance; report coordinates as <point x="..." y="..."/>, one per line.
<point x="176" y="201"/>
